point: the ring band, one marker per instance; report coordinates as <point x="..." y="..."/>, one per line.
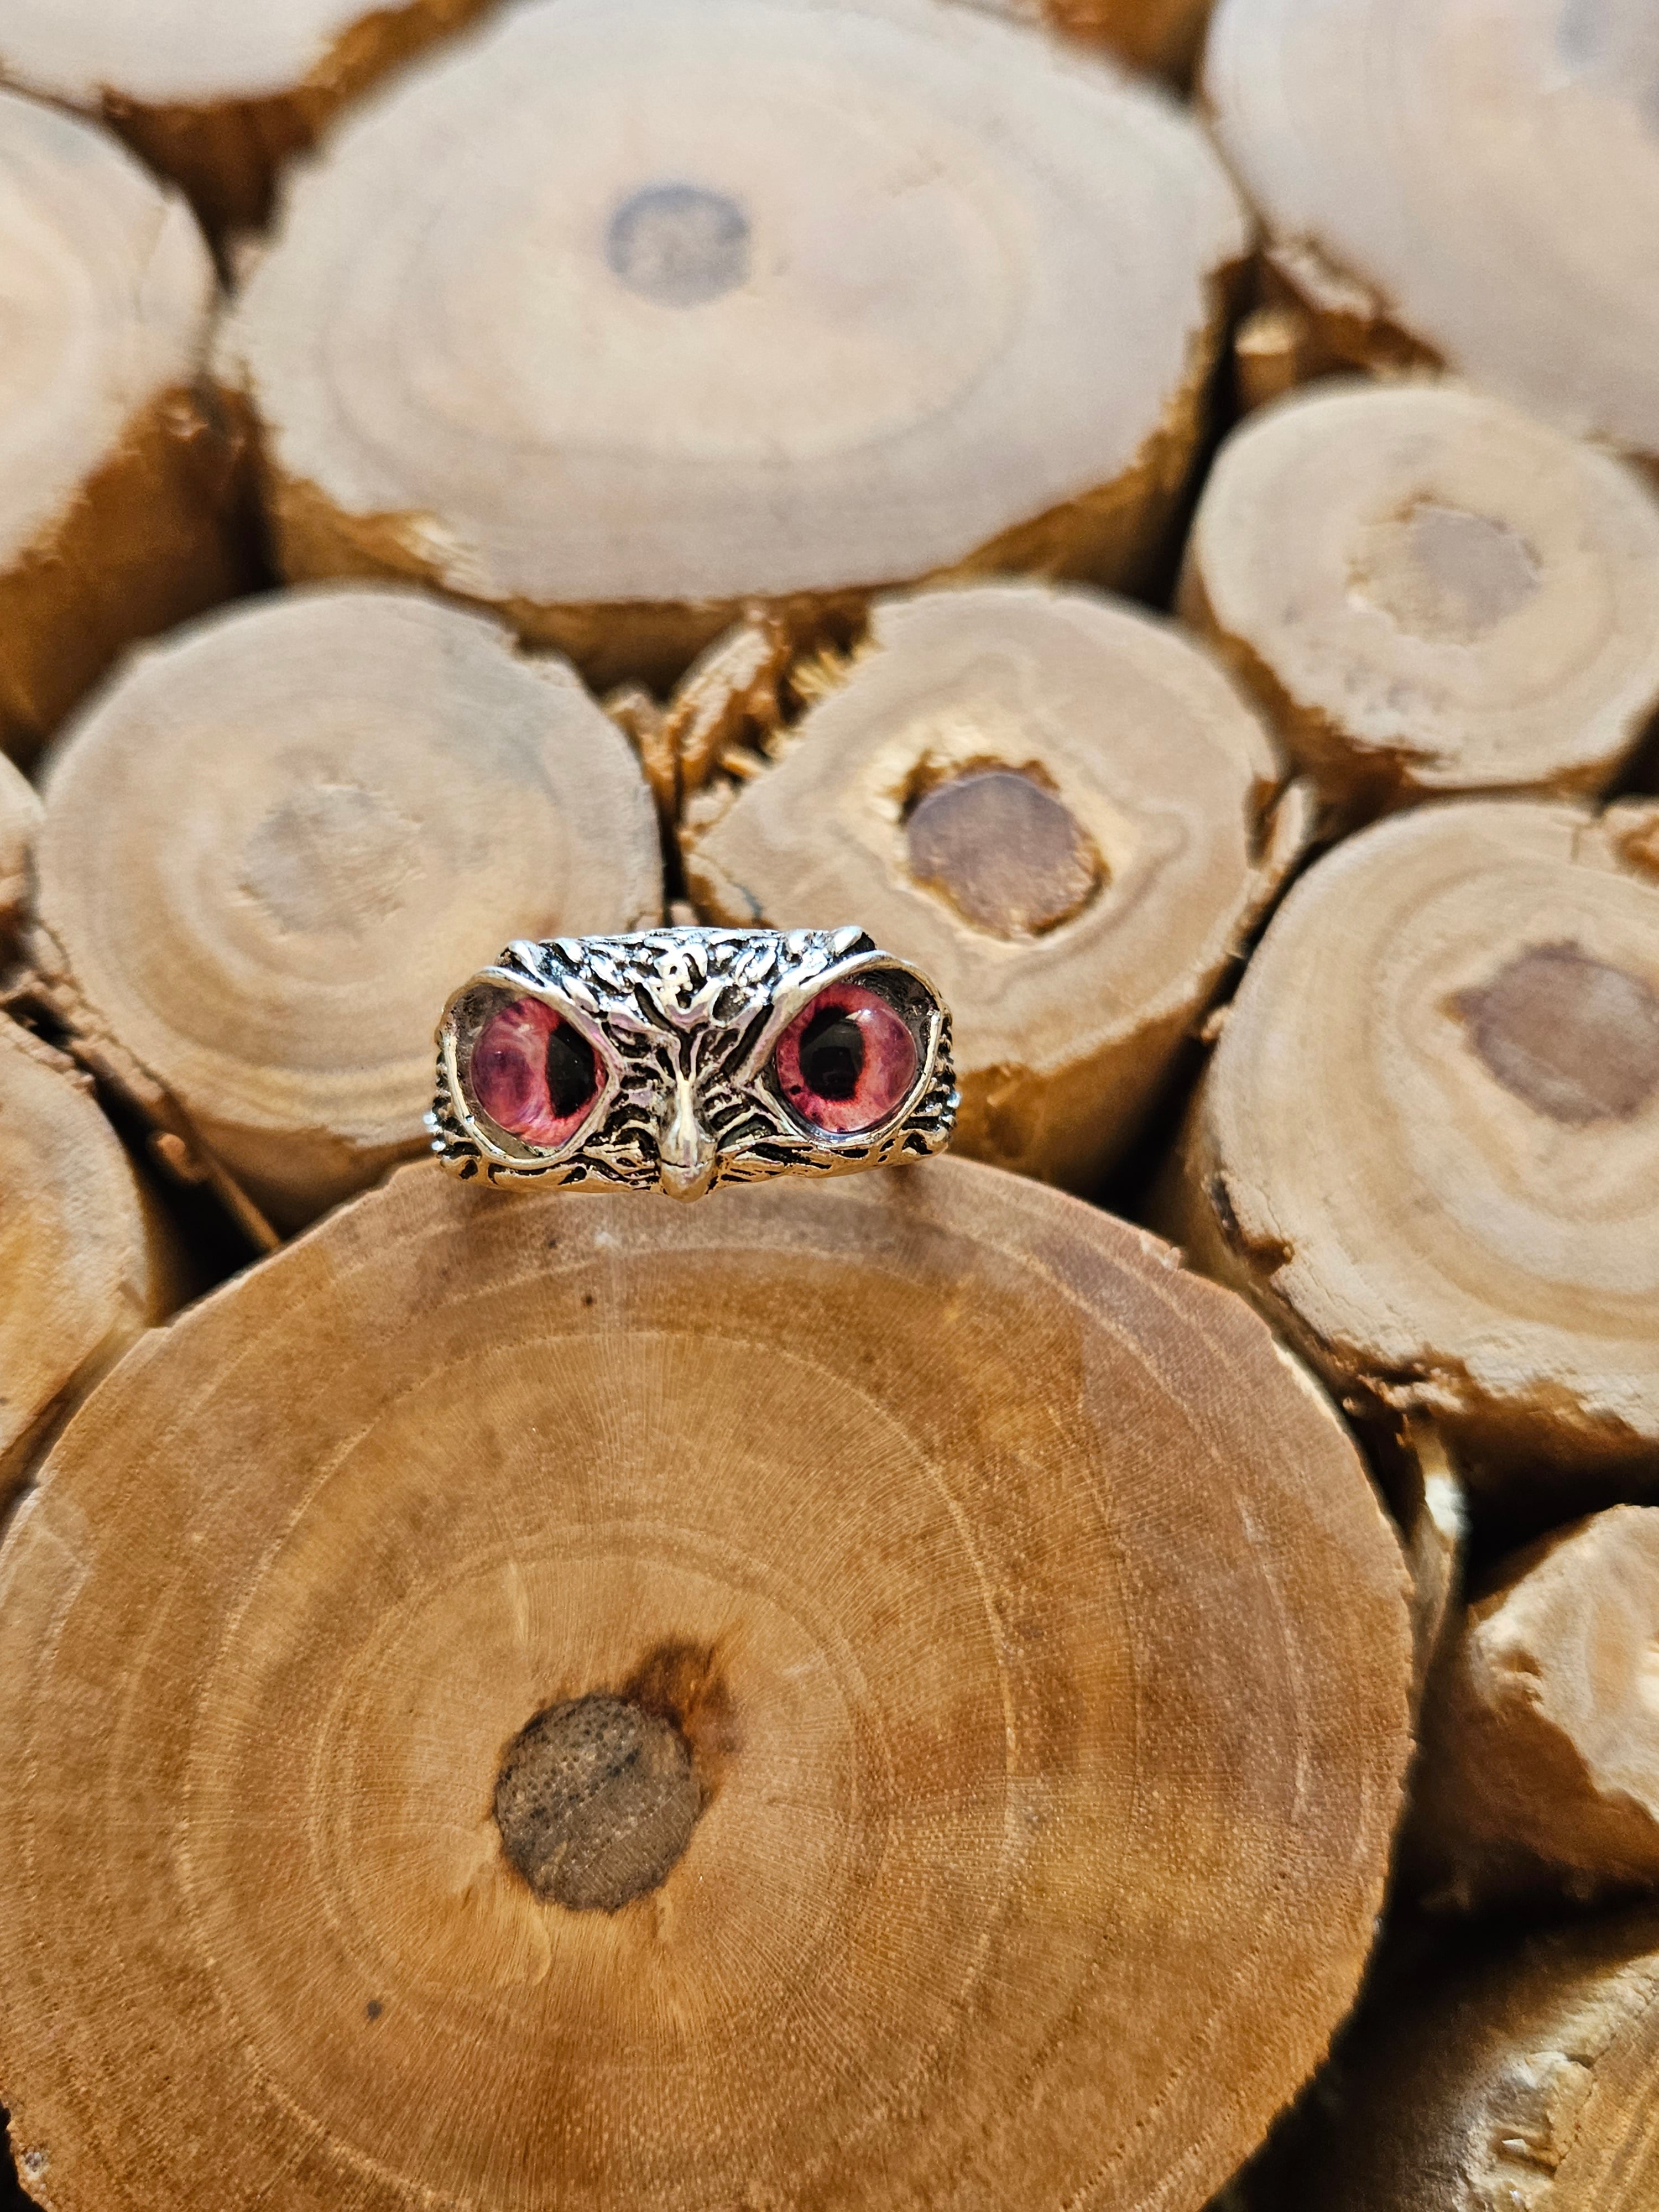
<point x="678" y="1059"/>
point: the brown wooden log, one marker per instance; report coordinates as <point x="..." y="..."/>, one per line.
<point x="20" y="818"/>
<point x="87" y="1261"/>
<point x="747" y="302"/>
<point x="1029" y="1631"/>
<point x="1431" y="594"/>
<point x="1540" y="1765"/>
<point x="1476" y="184"/>
<point x="1526" y="2084"/>
<point x="1054" y="806"/>
<point x="1428" y="1143"/>
<point x="117" y="481"/>
<point x="274" y="846"/>
<point x="216" y="98"/>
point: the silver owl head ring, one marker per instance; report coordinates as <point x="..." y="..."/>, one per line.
<point x="676" y="1059"/>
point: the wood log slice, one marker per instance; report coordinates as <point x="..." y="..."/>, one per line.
<point x="20" y="818"/>
<point x="752" y="300"/>
<point x="274" y="846"/>
<point x="1431" y="594"/>
<point x="1540" y="1765"/>
<point x="216" y="97"/>
<point x="1451" y="179"/>
<point x="1428" y="1142"/>
<point x="116" y="480"/>
<point x="1527" y="2084"/>
<point x="1055" y="806"/>
<point x="861" y="1695"/>
<point x="87" y="1261"/>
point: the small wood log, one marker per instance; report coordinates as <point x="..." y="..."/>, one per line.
<point x="1430" y="592"/>
<point x="748" y="303"/>
<point x="275" y="845"/>
<point x="1527" y="2082"/>
<point x="20" y="819"/>
<point x="1540" y="1765"/>
<point x="118" y="484"/>
<point x="716" y="1705"/>
<point x="1427" y="1145"/>
<point x="1472" y="185"/>
<point x="216" y="98"/>
<point x="86" y="1261"/>
<point x="1055" y="806"/>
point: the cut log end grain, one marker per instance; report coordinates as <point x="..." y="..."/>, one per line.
<point x="87" y="1262"/>
<point x="735" y="1703"/>
<point x="1428" y="1142"/>
<point x="1475" y="185"/>
<point x="1059" y="809"/>
<point x="1431" y="594"/>
<point x="1526" y="2084"/>
<point x="216" y="98"/>
<point x="118" y="487"/>
<point x="1540" y="1767"/>
<point x="279" y="842"/>
<point x="751" y="302"/>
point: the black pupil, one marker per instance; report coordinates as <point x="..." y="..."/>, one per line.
<point x="832" y="1053"/>
<point x="571" y="1076"/>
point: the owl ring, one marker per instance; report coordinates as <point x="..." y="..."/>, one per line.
<point x="676" y="1059"/>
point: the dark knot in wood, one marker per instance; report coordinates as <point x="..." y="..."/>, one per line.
<point x="596" y="1801"/>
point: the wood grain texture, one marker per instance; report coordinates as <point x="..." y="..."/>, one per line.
<point x="1428" y="1142"/>
<point x="87" y="1262"/>
<point x="1451" y="178"/>
<point x="216" y="98"/>
<point x="1059" y="809"/>
<point x="1430" y="594"/>
<point x="1539" y="1764"/>
<point x="279" y="840"/>
<point x="1527" y="2084"/>
<point x="752" y="299"/>
<point x="1041" y="1646"/>
<point x="116" y="478"/>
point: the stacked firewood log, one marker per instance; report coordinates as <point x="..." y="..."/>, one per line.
<point x="1113" y="1671"/>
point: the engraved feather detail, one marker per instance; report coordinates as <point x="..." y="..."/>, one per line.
<point x="679" y="1059"/>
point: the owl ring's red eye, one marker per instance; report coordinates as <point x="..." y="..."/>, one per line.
<point x="848" y="1062"/>
<point x="534" y="1073"/>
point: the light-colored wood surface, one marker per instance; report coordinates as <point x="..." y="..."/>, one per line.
<point x="1480" y="180"/>
<point x="1540" y="1767"/>
<point x="752" y="298"/>
<point x="273" y="849"/>
<point x="1430" y="592"/>
<point x="87" y="1262"/>
<point x="20" y="818"/>
<point x="216" y="97"/>
<point x="114" y="476"/>
<point x="1428" y="1142"/>
<point x="1527" y="2084"/>
<point x="1041" y="1672"/>
<point x="1054" y="804"/>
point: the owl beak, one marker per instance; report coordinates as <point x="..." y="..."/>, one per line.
<point x="685" y="1149"/>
